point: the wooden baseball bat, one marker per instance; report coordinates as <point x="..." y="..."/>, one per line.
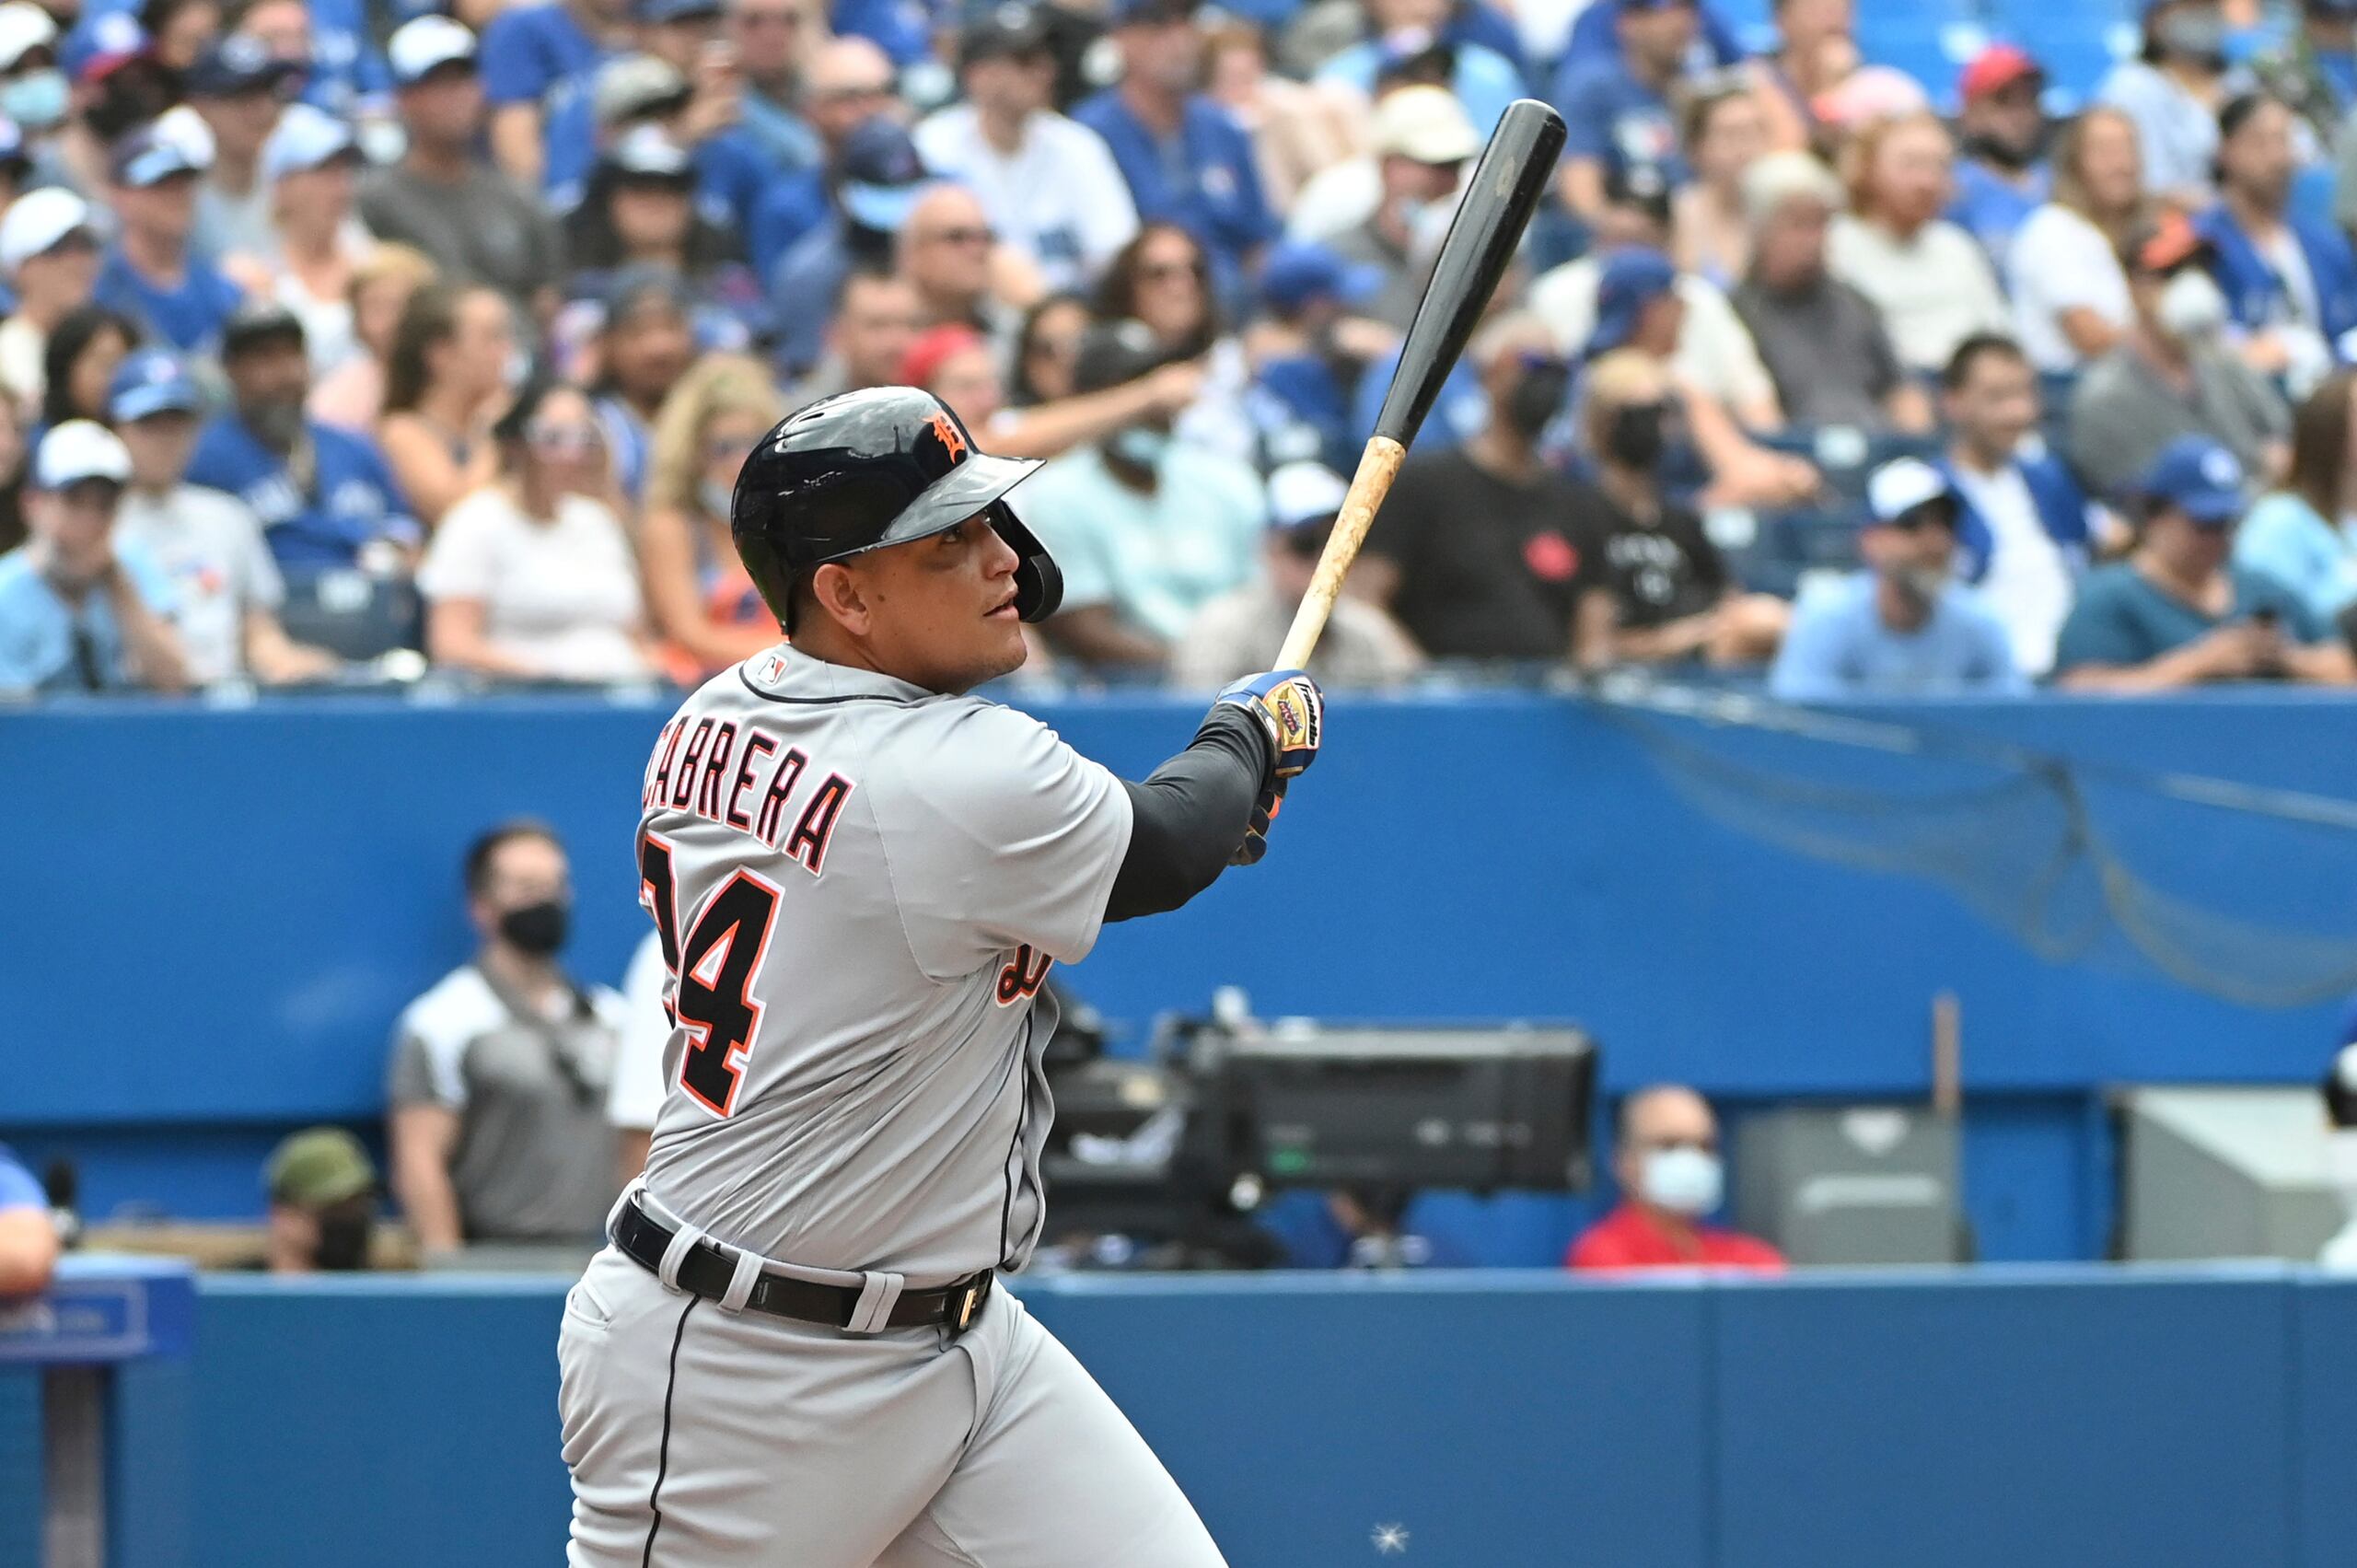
<point x="1516" y="168"/>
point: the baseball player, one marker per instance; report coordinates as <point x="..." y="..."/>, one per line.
<point x="794" y="1351"/>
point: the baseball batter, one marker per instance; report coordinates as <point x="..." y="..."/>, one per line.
<point x="793" y="1353"/>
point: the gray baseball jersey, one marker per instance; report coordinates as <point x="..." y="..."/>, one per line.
<point x="860" y="886"/>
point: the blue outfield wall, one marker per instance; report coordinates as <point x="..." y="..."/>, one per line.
<point x="215" y="914"/>
<point x="2034" y="1418"/>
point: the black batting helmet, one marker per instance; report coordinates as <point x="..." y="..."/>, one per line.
<point x="863" y="470"/>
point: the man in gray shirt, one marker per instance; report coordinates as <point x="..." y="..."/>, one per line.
<point x="2169" y="375"/>
<point x="442" y="197"/>
<point x="500" y="1072"/>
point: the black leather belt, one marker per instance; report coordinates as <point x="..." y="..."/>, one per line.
<point x="707" y="1271"/>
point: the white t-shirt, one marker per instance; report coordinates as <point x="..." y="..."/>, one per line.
<point x="561" y="595"/>
<point x="1059" y="197"/>
<point x="2061" y="261"/>
<point x="210" y="545"/>
<point x="2028" y="584"/>
<point x="1934" y="289"/>
<point x="22" y="346"/>
<point x="1714" y="349"/>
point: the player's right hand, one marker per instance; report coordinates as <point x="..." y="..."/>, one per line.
<point x="1256" y="832"/>
<point x="1291" y="711"/>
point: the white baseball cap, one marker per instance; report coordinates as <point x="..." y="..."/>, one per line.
<point x="425" y="45"/>
<point x="1304" y="492"/>
<point x="23" y="26"/>
<point x="77" y="451"/>
<point x="1901" y="485"/>
<point x="35" y="221"/>
<point x="304" y="138"/>
<point x="1424" y="124"/>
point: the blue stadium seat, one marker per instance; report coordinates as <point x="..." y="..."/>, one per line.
<point x="353" y="614"/>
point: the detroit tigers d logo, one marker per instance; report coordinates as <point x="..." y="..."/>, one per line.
<point x="947" y="433"/>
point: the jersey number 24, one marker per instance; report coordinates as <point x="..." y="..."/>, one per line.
<point x="714" y="965"/>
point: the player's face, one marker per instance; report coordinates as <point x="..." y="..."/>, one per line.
<point x="940" y="611"/>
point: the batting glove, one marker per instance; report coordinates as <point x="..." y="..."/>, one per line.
<point x="1291" y="711"/>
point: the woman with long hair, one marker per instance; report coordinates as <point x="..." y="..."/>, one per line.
<point x="705" y="606"/>
<point x="638" y="210"/>
<point x="79" y="360"/>
<point x="1725" y="134"/>
<point x="1163" y="279"/>
<point x="445" y="382"/>
<point x="351" y="395"/>
<point x="532" y="577"/>
<point x="1046" y="347"/>
<point x="2301" y="534"/>
<point x="2070" y="292"/>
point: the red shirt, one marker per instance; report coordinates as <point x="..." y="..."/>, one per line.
<point x="1629" y="1238"/>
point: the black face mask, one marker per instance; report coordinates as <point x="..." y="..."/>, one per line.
<point x="1986" y="148"/>
<point x="1635" y="437"/>
<point x="1535" y="398"/>
<point x="537" y="929"/>
<point x="343" y="1241"/>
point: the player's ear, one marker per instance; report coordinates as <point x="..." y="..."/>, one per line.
<point x="838" y="593"/>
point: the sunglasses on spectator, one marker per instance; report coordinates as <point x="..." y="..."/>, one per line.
<point x="564" y="436"/>
<point x="1531" y="359"/>
<point x="962" y="236"/>
<point x="854" y="95"/>
<point x="1166" y="272"/>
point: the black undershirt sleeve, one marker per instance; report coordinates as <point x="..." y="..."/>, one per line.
<point x="1190" y="816"/>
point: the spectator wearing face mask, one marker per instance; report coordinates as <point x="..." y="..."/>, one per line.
<point x="1146" y="531"/>
<point x="322" y="1203"/>
<point x="2173" y="91"/>
<point x="2001" y="178"/>
<point x="2170" y="374"/>
<point x="1476" y="552"/>
<point x="499" y="1073"/>
<point x="1659" y="592"/>
<point x="1904" y="627"/>
<point x="1666" y="1159"/>
<point x="2176" y="611"/>
<point x="1231" y="635"/>
<point x="34" y="93"/>
<point x="2290" y="283"/>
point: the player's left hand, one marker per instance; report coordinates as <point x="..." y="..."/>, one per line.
<point x="1290" y="710"/>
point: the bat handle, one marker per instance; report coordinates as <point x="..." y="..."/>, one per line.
<point x="1378" y="466"/>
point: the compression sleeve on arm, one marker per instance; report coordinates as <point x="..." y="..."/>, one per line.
<point x="1190" y="816"/>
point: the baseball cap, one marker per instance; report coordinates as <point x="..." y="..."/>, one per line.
<point x="318" y="1167"/>
<point x="420" y="47"/>
<point x="1902" y="485"/>
<point x="1868" y="94"/>
<point x="656" y="12"/>
<point x="632" y="286"/>
<point x="632" y="85"/>
<point x="306" y="138"/>
<point x="930" y="348"/>
<point x="2197" y="476"/>
<point x="882" y="178"/>
<point x="2163" y="246"/>
<point x="1012" y="27"/>
<point x="151" y="381"/>
<point x="1995" y="69"/>
<point x="1426" y="124"/>
<point x="644" y="153"/>
<point x="256" y="321"/>
<point x="1303" y="495"/>
<point x="1631" y="280"/>
<point x="99" y="44"/>
<point x="77" y="451"/>
<point x="24" y="27"/>
<point x="36" y="221"/>
<point x="238" y="63"/>
<point x="1298" y="273"/>
<point x="149" y="154"/>
<point x="1146" y="13"/>
<point x="1113" y="353"/>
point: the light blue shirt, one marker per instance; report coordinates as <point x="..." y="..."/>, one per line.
<point x="1156" y="559"/>
<point x="2177" y="134"/>
<point x="2283" y="538"/>
<point x="37" y="628"/>
<point x="1839" y="647"/>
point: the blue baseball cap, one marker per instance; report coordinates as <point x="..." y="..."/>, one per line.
<point x="151" y="381"/>
<point x="1631" y="280"/>
<point x="238" y="63"/>
<point x="882" y="178"/>
<point x="656" y="12"/>
<point x="1300" y="272"/>
<point x="2199" y="477"/>
<point x="1138" y="12"/>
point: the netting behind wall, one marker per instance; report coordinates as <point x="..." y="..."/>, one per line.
<point x="2083" y="862"/>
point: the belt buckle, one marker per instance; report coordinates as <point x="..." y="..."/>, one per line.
<point x="972" y="1298"/>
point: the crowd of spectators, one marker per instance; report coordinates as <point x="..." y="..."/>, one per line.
<point x="349" y="343"/>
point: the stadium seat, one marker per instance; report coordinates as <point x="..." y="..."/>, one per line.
<point x="351" y="614"/>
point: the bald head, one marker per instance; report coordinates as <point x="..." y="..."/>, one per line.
<point x="849" y="80"/>
<point x="945" y="251"/>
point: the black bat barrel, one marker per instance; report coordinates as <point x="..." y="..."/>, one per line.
<point x="1513" y="173"/>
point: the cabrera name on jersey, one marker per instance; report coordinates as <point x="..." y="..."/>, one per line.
<point x="859" y="887"/>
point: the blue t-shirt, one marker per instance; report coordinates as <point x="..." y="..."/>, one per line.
<point x="18" y="1190"/>
<point x="189" y="317"/>
<point x="2121" y="619"/>
<point x="901" y="29"/>
<point x="802" y="294"/>
<point x="346" y="69"/>
<point x="1618" y="121"/>
<point x="352" y="498"/>
<point x="1459" y="414"/>
<point x="1483" y="81"/>
<point x="2283" y="538"/>
<point x="1990" y="208"/>
<point x="1205" y="179"/>
<point x="538" y="54"/>
<point x="1596" y="35"/>
<point x="1839" y="646"/>
<point x="38" y="629"/>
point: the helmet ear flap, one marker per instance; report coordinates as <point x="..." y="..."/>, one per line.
<point x="1039" y="582"/>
